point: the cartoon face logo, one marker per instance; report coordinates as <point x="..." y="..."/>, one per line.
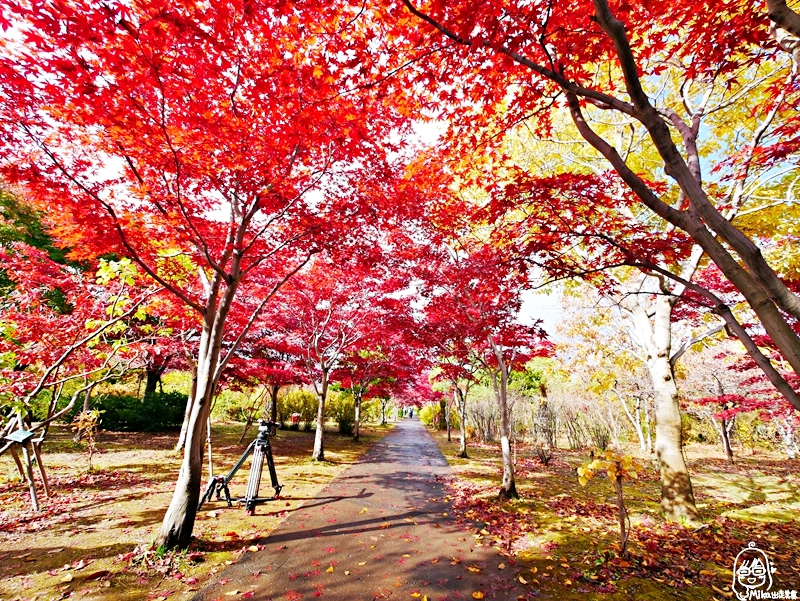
<point x="752" y="571"/>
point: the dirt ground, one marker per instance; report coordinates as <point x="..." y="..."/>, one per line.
<point x="91" y="540"/>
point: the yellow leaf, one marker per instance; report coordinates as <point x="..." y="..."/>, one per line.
<point x="406" y="555"/>
<point x="567" y="582"/>
<point x="583" y="481"/>
<point x="329" y="570"/>
<point x="362" y="563"/>
<point x="728" y="594"/>
<point x="477" y="595"/>
<point x="502" y="566"/>
<point x="522" y="580"/>
<point x="232" y="593"/>
<point x="347" y="572"/>
<point x="363" y="510"/>
<point x="252" y="548"/>
<point x="474" y="569"/>
<point x="416" y="595"/>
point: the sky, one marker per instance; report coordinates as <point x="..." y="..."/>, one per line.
<point x="547" y="307"/>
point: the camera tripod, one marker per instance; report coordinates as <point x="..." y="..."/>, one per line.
<point x="260" y="449"/>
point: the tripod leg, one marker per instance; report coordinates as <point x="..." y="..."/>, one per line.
<point x="239" y="463"/>
<point x="207" y="495"/>
<point x="254" y="481"/>
<point x="272" y="474"/>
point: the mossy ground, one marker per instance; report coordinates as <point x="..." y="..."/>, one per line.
<point x="82" y="542"/>
<point x="565" y="536"/>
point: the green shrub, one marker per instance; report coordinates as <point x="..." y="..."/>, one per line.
<point x="370" y="411"/>
<point x="127" y="413"/>
<point x="232" y="405"/>
<point x="299" y="401"/>
<point x="431" y="415"/>
<point x="428" y="414"/>
<point x="341" y="408"/>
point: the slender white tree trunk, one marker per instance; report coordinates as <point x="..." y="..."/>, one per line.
<point x="508" y="488"/>
<point x="648" y="426"/>
<point x="176" y="529"/>
<point x="677" y="496"/>
<point x="461" y="399"/>
<point x="787" y="435"/>
<point x="357" y="421"/>
<point x="189" y="405"/>
<point x="635" y="418"/>
<point x="319" y="438"/>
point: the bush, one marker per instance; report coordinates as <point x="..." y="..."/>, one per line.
<point x="128" y="413"/>
<point x="427" y="415"/>
<point x="342" y="409"/>
<point x="431" y="415"/>
<point x="232" y="405"/>
<point x="299" y="401"/>
<point x="600" y="436"/>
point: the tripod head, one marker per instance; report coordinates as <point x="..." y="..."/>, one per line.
<point x="266" y="428"/>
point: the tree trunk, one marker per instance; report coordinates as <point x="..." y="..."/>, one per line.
<point x="726" y="439"/>
<point x="442" y="425"/>
<point x="508" y="488"/>
<point x="273" y="399"/>
<point x="176" y="529"/>
<point x="189" y="406"/>
<point x="319" y="438"/>
<point x="622" y="514"/>
<point x="787" y="435"/>
<point x="447" y="421"/>
<point x="677" y="496"/>
<point x="87" y="399"/>
<point x="357" y="421"/>
<point x="635" y="418"/>
<point x="462" y="418"/>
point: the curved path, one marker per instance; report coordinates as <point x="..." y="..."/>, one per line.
<point x="380" y="530"/>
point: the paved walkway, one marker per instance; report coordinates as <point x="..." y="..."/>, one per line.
<point x="379" y="531"/>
